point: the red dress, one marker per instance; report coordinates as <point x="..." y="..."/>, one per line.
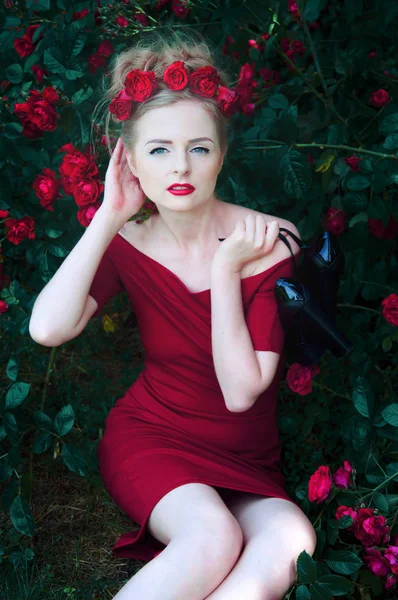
<point x="172" y="426"/>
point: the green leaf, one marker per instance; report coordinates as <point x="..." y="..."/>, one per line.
<point x="296" y="174"/>
<point x="338" y="586"/>
<point x="381" y="502"/>
<point x="12" y="368"/>
<point x="72" y="74"/>
<point x="14" y="73"/>
<point x="303" y="593"/>
<point x="362" y="397"/>
<point x="391" y="141"/>
<point x="38" y="4"/>
<point x="356" y="183"/>
<point x="313" y="9"/>
<point x="10" y="424"/>
<point x="21" y="516"/>
<point x="390" y="414"/>
<point x="389" y="124"/>
<point x="343" y="561"/>
<point x="73" y="459"/>
<point x="16" y="394"/>
<point x="392" y="469"/>
<point x="64" y="420"/>
<point x="5" y="470"/>
<point x="42" y="442"/>
<point x="79" y="44"/>
<point x="306" y="568"/>
<point x="50" y="62"/>
<point x="320" y="592"/>
<point x="345" y="522"/>
<point x="278" y="101"/>
<point x="83" y="95"/>
<point x="60" y="251"/>
<point x="43" y="421"/>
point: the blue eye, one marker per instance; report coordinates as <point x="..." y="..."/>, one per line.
<point x="206" y="150"/>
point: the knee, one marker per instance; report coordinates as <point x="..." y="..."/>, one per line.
<point x="221" y="541"/>
<point x="303" y="536"/>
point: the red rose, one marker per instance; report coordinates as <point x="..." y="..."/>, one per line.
<point x="320" y="484"/>
<point x="20" y="229"/>
<point x="342" y="478"/>
<point x="3" y="306"/>
<point x="391" y="554"/>
<point x="353" y="162"/>
<point x="343" y="511"/>
<point x="335" y="220"/>
<point x="390" y="583"/>
<point x="50" y="95"/>
<point x="23" y="46"/>
<point x="176" y="76"/>
<point x="43" y="115"/>
<point x="86" y="214"/>
<point x="180" y="8"/>
<point x="4" y="214"/>
<point x="86" y="191"/>
<point x="105" y="48"/>
<point x="122" y="21"/>
<point x="121" y="106"/>
<point x="39" y="73"/>
<point x="371" y="529"/>
<point x="46" y="187"/>
<point x="374" y="562"/>
<point x="388" y="232"/>
<point x="75" y="164"/>
<point x="390" y="309"/>
<point x="140" y="84"/>
<point x="379" y="98"/>
<point x="299" y="378"/>
<point x="228" y="100"/>
<point x="204" y="81"/>
<point x="95" y="62"/>
<point x="269" y="76"/>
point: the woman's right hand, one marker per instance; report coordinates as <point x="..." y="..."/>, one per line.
<point x="123" y="195"/>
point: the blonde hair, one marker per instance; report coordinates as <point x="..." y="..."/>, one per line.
<point x="154" y="52"/>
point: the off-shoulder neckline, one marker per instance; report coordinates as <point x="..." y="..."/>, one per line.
<point x="208" y="289"/>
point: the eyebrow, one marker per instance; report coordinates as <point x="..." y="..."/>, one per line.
<point x="201" y="139"/>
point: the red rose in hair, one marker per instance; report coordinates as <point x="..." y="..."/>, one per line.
<point x="121" y="106"/>
<point x="140" y="84"/>
<point x="390" y="309"/>
<point x="20" y="229"/>
<point x="86" y="191"/>
<point x="379" y="98"/>
<point x="299" y="378"/>
<point x="204" y="81"/>
<point x="320" y="484"/>
<point x="371" y="529"/>
<point x="46" y="187"/>
<point x="176" y="76"/>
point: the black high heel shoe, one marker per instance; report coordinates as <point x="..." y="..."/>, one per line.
<point x="309" y="331"/>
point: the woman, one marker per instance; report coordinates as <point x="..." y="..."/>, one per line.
<point x="191" y="451"/>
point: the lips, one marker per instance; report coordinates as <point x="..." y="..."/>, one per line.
<point x="184" y="186"/>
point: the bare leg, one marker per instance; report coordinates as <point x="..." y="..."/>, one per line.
<point x="203" y="541"/>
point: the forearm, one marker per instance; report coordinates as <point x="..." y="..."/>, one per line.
<point x="60" y="304"/>
<point x="235" y="361"/>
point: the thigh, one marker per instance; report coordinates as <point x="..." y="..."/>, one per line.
<point x="259" y="515"/>
<point x="193" y="508"/>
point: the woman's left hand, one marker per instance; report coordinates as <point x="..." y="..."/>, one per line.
<point x="251" y="239"/>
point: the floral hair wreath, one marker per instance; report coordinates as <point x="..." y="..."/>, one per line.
<point x="204" y="81"/>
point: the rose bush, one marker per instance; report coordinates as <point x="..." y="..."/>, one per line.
<point x="314" y="139"/>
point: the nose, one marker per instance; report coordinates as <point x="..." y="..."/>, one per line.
<point x="181" y="164"/>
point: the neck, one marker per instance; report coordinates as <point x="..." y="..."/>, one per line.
<point x="194" y="233"/>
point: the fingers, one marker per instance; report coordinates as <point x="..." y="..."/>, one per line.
<point x="262" y="232"/>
